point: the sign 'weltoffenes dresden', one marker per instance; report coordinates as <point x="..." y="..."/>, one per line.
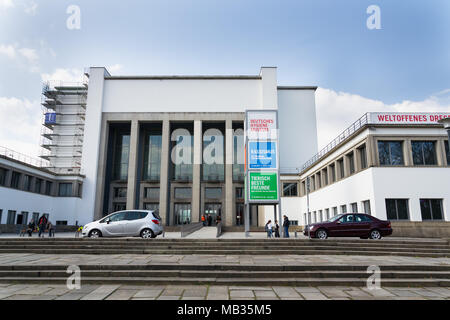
<point x="407" y="118"/>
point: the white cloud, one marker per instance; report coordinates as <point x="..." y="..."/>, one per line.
<point x="4" y="4"/>
<point x="21" y="125"/>
<point x="114" y="68"/>
<point x="338" y="110"/>
<point x="29" y="54"/>
<point x="31" y="8"/>
<point x="67" y="75"/>
<point x="8" y="50"/>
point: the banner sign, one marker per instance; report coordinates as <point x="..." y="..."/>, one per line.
<point x="50" y="118"/>
<point x="262" y="125"/>
<point x="263" y="186"/>
<point x="407" y="118"/>
<point x="262" y="155"/>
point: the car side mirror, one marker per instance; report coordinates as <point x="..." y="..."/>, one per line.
<point x="108" y="221"/>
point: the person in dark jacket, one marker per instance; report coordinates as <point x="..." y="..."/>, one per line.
<point x="286" y="224"/>
<point x="209" y="220"/>
<point x="277" y="229"/>
<point x="42" y="224"/>
<point x="30" y="228"/>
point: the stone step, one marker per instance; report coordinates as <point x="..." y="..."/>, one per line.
<point x="233" y="281"/>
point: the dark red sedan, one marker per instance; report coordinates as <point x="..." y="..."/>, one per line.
<point x="350" y="225"/>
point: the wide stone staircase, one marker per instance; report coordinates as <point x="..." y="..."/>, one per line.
<point x="433" y="248"/>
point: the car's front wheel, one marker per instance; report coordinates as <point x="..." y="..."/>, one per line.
<point x="375" y="234"/>
<point x="321" y="234"/>
<point x="147" y="233"/>
<point x="95" y="233"/>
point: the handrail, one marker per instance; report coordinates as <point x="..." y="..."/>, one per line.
<point x="11" y="154"/>
<point x="187" y="229"/>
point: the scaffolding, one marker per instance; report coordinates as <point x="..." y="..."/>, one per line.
<point x="63" y="118"/>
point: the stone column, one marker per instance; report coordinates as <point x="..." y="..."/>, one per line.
<point x="164" y="173"/>
<point x="229" y="215"/>
<point x="132" y="165"/>
<point x="440" y="153"/>
<point x="371" y="152"/>
<point x="196" y="170"/>
<point x="407" y="153"/>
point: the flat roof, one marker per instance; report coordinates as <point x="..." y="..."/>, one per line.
<point x="181" y="77"/>
<point x="297" y="87"/>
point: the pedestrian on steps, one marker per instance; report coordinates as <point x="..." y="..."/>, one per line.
<point x="268" y="228"/>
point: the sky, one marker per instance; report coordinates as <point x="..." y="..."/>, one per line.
<point x="403" y="66"/>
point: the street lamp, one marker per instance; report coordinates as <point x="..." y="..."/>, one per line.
<point x="446" y="123"/>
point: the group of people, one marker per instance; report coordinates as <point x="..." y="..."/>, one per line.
<point x="41" y="226"/>
<point x="273" y="230"/>
<point x="207" y="220"/>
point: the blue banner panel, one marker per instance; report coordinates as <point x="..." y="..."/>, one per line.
<point x="50" y="118"/>
<point x="262" y="155"/>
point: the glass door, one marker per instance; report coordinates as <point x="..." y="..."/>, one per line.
<point x="213" y="209"/>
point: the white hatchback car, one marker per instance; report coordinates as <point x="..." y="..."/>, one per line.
<point x="127" y="223"/>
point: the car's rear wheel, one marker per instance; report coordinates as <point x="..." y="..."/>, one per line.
<point x="147" y="233"/>
<point x="95" y="233"/>
<point x="321" y="234"/>
<point x="375" y="234"/>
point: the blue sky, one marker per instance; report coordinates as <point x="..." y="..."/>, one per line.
<point x="321" y="42"/>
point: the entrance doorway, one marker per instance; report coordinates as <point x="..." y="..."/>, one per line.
<point x="214" y="209"/>
<point x="239" y="214"/>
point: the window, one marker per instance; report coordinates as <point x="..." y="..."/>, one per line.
<point x="325" y="176"/>
<point x="424" y="152"/>
<point x="117" y="217"/>
<point x="1" y="212"/>
<point x="120" y="192"/>
<point x="333" y="173"/>
<point x="119" y="206"/>
<point x="22" y="218"/>
<point x="335" y="211"/>
<point x="320" y="216"/>
<point x="348" y="218"/>
<point x="152" y="156"/>
<point x="35" y="217"/>
<point x="182" y="213"/>
<point x="366" y="206"/>
<point x="290" y="189"/>
<point x="65" y="189"/>
<point x="121" y="155"/>
<point x="362" y="218"/>
<point x="315" y="216"/>
<point x="183" y="193"/>
<point x="61" y="222"/>
<point x="135" y="215"/>
<point x="48" y="188"/>
<point x="2" y="176"/>
<point x="11" y="217"/>
<point x="319" y="181"/>
<point x="390" y="153"/>
<point x="341" y="168"/>
<point x="397" y="209"/>
<point x="38" y="185"/>
<point x="354" y="207"/>
<point x="239" y="193"/>
<point x="431" y="209"/>
<point x="448" y="152"/>
<point x="27" y="183"/>
<point x="344" y="208"/>
<point x="213" y="168"/>
<point x="363" y="156"/>
<point x="312" y="185"/>
<point x="15" y="179"/>
<point x="213" y="193"/>
<point x="80" y="190"/>
<point x="351" y="162"/>
<point x="152" y="193"/>
<point x="327" y="214"/>
<point x="294" y="222"/>
<point x="151" y="206"/>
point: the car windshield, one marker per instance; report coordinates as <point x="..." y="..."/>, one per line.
<point x="335" y="218"/>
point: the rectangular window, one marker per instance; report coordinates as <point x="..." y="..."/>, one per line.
<point x="354" y="207"/>
<point x="351" y="162"/>
<point x="290" y="189"/>
<point x="423" y="152"/>
<point x="390" y="153"/>
<point x="397" y="209"/>
<point x="38" y="185"/>
<point x="344" y="208"/>
<point x="2" y="176"/>
<point x="15" y="180"/>
<point x="333" y="173"/>
<point x="121" y="155"/>
<point x="152" y="156"/>
<point x="239" y="193"/>
<point x="120" y="192"/>
<point x="294" y="222"/>
<point x="363" y="156"/>
<point x="80" y="190"/>
<point x="213" y="193"/>
<point x="1" y="212"/>
<point x="182" y="213"/>
<point x="22" y="218"/>
<point x="366" y="205"/>
<point x="11" y="219"/>
<point x="341" y="168"/>
<point x="431" y="209"/>
<point x="119" y="206"/>
<point x="48" y="188"/>
<point x="65" y="190"/>
<point x="335" y="211"/>
<point x="319" y="181"/>
<point x="27" y="183"/>
<point x="151" y="193"/>
<point x="447" y="151"/>
<point x="311" y="184"/>
<point x="327" y="214"/>
<point x="320" y="215"/>
<point x="183" y="193"/>
<point x="61" y="222"/>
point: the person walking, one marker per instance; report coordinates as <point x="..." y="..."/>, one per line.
<point x="286" y="224"/>
<point x="42" y="224"/>
<point x="203" y="220"/>
<point x="31" y="227"/>
<point x="277" y="229"/>
<point x="268" y="228"/>
<point x="209" y="220"/>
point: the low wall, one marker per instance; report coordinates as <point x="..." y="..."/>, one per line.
<point x="421" y="229"/>
<point x="16" y="228"/>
